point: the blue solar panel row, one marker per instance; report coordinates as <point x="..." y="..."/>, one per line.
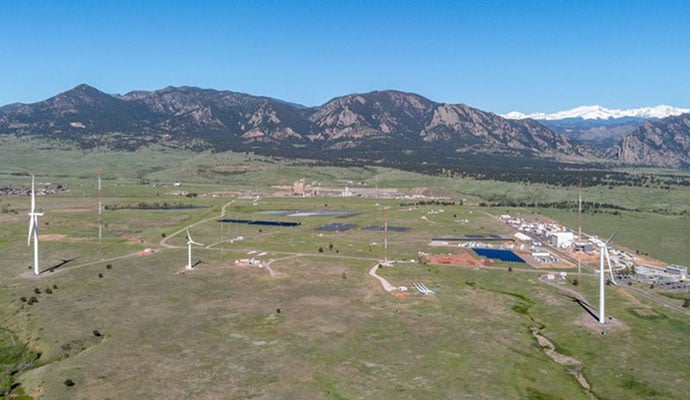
<point x="336" y="227"/>
<point x="257" y="222"/>
<point x="496" y="254"/>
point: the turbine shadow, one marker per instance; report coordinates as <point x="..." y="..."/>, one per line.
<point x="62" y="263"/>
<point x="585" y="306"/>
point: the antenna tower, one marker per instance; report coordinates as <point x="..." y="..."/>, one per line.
<point x="385" y="237"/>
<point x="100" y="208"/>
<point x="579" y="228"/>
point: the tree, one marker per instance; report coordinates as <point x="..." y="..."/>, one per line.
<point x="686" y="302"/>
<point x="576" y="282"/>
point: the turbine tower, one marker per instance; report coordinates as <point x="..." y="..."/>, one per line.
<point x="33" y="225"/>
<point x="190" y="242"/>
<point x="604" y="253"/>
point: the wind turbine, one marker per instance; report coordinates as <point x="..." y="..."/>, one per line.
<point x="190" y="242"/>
<point x="604" y="253"/>
<point x="33" y="225"/>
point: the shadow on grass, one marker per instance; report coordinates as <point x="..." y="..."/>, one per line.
<point x="62" y="263"/>
<point x="585" y="306"/>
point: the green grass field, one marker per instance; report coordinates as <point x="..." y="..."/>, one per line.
<point x="121" y="326"/>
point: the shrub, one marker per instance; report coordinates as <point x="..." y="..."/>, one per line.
<point x="69" y="382"/>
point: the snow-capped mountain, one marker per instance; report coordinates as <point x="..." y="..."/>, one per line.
<point x="602" y="113"/>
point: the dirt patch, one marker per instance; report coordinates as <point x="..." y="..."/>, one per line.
<point x="550" y="350"/>
<point x="418" y="190"/>
<point x="462" y="259"/>
<point x="51" y="237"/>
<point x="612" y="324"/>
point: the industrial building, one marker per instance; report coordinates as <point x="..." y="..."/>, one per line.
<point x="680" y="270"/>
<point x="672" y="273"/>
<point x="563" y="239"/>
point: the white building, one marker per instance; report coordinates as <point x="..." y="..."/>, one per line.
<point x="679" y="270"/>
<point x="523" y="237"/>
<point x="562" y="239"/>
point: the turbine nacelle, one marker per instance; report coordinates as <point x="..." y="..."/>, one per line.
<point x="190" y="241"/>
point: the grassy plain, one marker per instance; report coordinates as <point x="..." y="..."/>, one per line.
<point x="319" y="326"/>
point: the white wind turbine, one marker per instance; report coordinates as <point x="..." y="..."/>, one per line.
<point x="33" y="225"/>
<point x="603" y="253"/>
<point x="190" y="242"/>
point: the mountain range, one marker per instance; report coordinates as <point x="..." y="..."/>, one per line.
<point x="388" y="127"/>
<point x="603" y="113"/>
<point x="598" y="126"/>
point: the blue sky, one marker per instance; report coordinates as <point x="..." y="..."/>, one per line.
<point x="499" y="56"/>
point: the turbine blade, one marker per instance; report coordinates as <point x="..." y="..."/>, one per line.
<point x="33" y="195"/>
<point x="608" y="261"/>
<point x="31" y="227"/>
<point x="189" y="237"/>
<point x="614" y="234"/>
